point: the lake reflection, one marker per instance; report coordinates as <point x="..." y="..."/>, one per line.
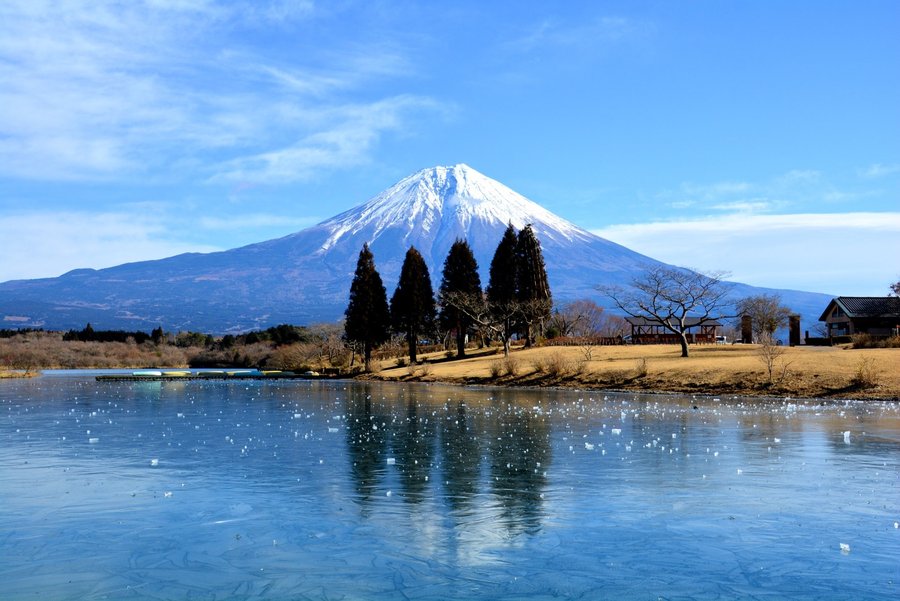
<point x="340" y="490"/>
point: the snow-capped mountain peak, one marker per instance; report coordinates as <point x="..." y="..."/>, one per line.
<point x="304" y="277"/>
<point x="441" y="201"/>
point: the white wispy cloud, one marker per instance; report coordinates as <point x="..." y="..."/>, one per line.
<point x="795" y="191"/>
<point x="255" y="221"/>
<point x="839" y="253"/>
<point x="104" y="89"/>
<point x="591" y="35"/>
<point x="744" y="206"/>
<point x="879" y="170"/>
<point x="347" y="143"/>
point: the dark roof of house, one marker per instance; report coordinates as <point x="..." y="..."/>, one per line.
<point x="865" y="306"/>
<point x="689" y="322"/>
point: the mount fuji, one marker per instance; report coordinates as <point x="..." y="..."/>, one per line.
<point x="305" y="277"/>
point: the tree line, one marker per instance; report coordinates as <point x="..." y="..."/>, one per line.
<point x="516" y="301"/>
<point x="277" y="335"/>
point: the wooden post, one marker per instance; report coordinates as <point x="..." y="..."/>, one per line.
<point x="746" y="329"/>
<point x="794" y="335"/>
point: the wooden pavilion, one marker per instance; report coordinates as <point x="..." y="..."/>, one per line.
<point x="652" y="331"/>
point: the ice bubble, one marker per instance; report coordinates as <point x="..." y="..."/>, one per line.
<point x="740" y="471"/>
<point x="93" y="440"/>
<point x="391" y="460"/>
<point x="777" y="440"/>
<point x="154" y="462"/>
<point x="332" y="430"/>
<point x="167" y="494"/>
<point x="847" y="437"/>
<point x="388" y="493"/>
<point x="845" y="548"/>
<point x="588" y="446"/>
<point x="616" y="431"/>
<point x="896" y="524"/>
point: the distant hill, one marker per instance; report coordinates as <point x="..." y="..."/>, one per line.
<point x="305" y="277"/>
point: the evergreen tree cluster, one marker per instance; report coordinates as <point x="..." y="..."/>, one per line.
<point x="89" y="334"/>
<point x="517" y="299"/>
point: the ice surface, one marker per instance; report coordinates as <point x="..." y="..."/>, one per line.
<point x="433" y="493"/>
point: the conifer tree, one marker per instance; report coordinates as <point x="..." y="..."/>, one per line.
<point x="460" y="291"/>
<point x="502" y="288"/>
<point x="367" y="315"/>
<point x="412" y="306"/>
<point x="532" y="287"/>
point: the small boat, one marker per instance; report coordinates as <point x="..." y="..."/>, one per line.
<point x="147" y="373"/>
<point x="175" y="373"/>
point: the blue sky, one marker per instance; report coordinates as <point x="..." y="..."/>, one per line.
<point x="762" y="138"/>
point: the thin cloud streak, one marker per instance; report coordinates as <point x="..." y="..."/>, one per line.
<point x="255" y="221"/>
<point x="879" y="170"/>
<point x="348" y="143"/>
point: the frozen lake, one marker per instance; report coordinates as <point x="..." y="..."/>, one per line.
<point x="343" y="490"/>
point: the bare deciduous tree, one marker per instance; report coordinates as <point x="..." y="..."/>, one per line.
<point x="494" y="318"/>
<point x="771" y="355"/>
<point x="578" y="318"/>
<point x="766" y="312"/>
<point x="670" y="295"/>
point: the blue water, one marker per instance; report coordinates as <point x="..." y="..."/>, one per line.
<point x="340" y="490"/>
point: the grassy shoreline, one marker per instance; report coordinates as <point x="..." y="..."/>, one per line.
<point x="800" y="372"/>
<point x="797" y="372"/>
<point x="7" y="374"/>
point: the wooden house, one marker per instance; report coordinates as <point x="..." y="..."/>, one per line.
<point x="877" y="316"/>
<point x="652" y="331"/>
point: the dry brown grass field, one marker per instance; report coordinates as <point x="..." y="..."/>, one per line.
<point x="828" y="372"/>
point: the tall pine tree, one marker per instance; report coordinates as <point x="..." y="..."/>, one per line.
<point x="532" y="287"/>
<point x="412" y="306"/>
<point x="367" y="315"/>
<point x="460" y="289"/>
<point x="502" y="288"/>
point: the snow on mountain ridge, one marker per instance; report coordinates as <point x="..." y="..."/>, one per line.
<point x="439" y="199"/>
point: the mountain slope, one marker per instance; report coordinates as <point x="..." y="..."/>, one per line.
<point x="305" y="277"/>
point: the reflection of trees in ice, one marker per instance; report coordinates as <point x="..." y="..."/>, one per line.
<point x="461" y="461"/>
<point x="366" y="442"/>
<point x="519" y="455"/>
<point x="413" y="445"/>
<point x="456" y="455"/>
